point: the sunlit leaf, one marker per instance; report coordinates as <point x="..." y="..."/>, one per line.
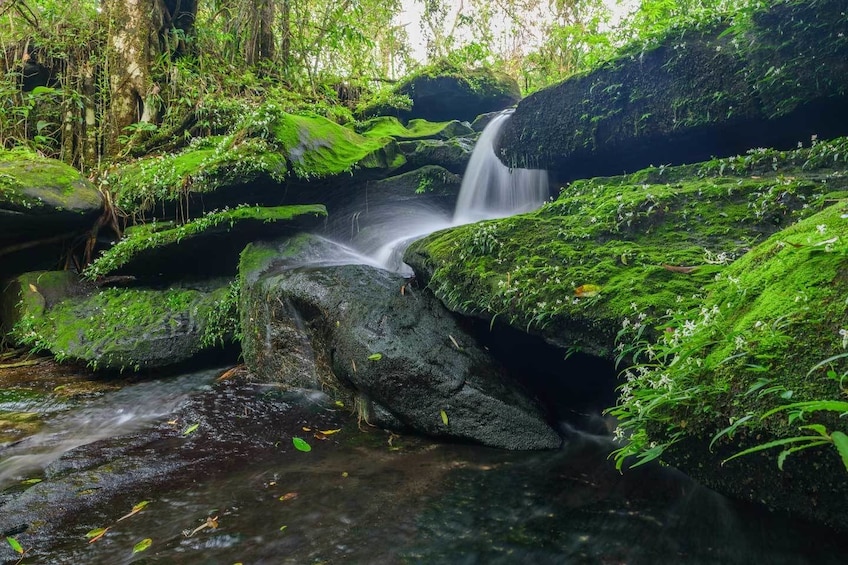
<point x="587" y="290"/>
<point x="288" y="496"/>
<point x="444" y="416"/>
<point x="283" y="528"/>
<point x="339" y="403"/>
<point x="96" y="534"/>
<point x="375" y="356"/>
<point x="33" y="288"/>
<point x="305" y="429"/>
<point x="301" y="444"/>
<point x="14" y="544"/>
<point x="31" y="481"/>
<point x="190" y="429"/>
<point x="142" y="545"/>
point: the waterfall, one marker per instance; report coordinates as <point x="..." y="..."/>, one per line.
<point x="490" y="189"/>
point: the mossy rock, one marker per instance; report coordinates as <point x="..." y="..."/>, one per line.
<point x="118" y="329"/>
<point x="571" y="271"/>
<point x="270" y="154"/>
<point x="451" y="154"/>
<point x="444" y="91"/>
<point x="773" y="79"/>
<point x="389" y="126"/>
<point x="758" y="342"/>
<point x="42" y="198"/>
<point x="207" y="246"/>
<point x="35" y="292"/>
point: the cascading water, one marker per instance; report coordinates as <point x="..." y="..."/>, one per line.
<point x="490" y="189"/>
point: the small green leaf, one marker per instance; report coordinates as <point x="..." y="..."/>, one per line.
<point x="444" y="416"/>
<point x="301" y="445"/>
<point x="31" y="481"/>
<point x="375" y="356"/>
<point x="283" y="528"/>
<point x="140" y="505"/>
<point x="190" y="429"/>
<point x="15" y="545"/>
<point x="840" y="441"/>
<point x="142" y="545"/>
<point x="96" y="534"/>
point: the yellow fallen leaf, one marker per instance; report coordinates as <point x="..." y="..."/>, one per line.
<point x="288" y="496"/>
<point x="330" y="432"/>
<point x="587" y="291"/>
<point x="32" y="287"/>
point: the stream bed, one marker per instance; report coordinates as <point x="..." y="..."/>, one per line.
<point x="223" y="482"/>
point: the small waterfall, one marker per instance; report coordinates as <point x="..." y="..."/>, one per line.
<point x="490" y="189"/>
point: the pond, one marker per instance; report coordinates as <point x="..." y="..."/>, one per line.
<point x="223" y="482"/>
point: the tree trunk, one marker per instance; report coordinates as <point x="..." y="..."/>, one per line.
<point x="132" y="45"/>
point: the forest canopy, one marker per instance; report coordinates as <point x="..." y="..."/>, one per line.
<point x="85" y="79"/>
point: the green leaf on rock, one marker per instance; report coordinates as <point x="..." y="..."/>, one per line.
<point x="375" y="356"/>
<point x="142" y="545"/>
<point x="15" y="544"/>
<point x="444" y="416"/>
<point x="190" y="429"/>
<point x="301" y="444"/>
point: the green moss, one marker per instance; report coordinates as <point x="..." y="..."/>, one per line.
<point x="254" y="259"/>
<point x="269" y="144"/>
<point x="129" y="328"/>
<point x="151" y="236"/>
<point x="383" y="127"/>
<point x="629" y="238"/>
<point x="29" y="181"/>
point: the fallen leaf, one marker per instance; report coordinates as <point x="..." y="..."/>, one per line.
<point x="301" y="444"/>
<point x="375" y="356"/>
<point x="31" y="481"/>
<point x="352" y="362"/>
<point x="32" y="287"/>
<point x="330" y="432"/>
<point x="283" y="528"/>
<point x="345" y="475"/>
<point x="587" y="290"/>
<point x="135" y="510"/>
<point x="142" y="545"/>
<point x="15" y="545"/>
<point x="444" y="416"/>
<point x="453" y="341"/>
<point x="679" y="269"/>
<point x="96" y="534"/>
<point x="230" y="373"/>
<point x="288" y="496"/>
<point x="190" y="429"/>
<point x="305" y="429"/>
<point x="339" y="403"/>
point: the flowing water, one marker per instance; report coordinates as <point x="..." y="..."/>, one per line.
<point x="217" y="463"/>
<point x="489" y="190"/>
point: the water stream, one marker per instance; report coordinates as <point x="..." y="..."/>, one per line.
<point x="234" y="489"/>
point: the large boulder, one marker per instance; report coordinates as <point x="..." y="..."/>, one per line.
<point x="118" y="328"/>
<point x="42" y="201"/>
<point x="355" y="326"/>
<point x="273" y="158"/>
<point x="772" y="80"/>
<point x="451" y="154"/>
<point x="740" y="260"/>
<point x="443" y="91"/>
<point x="207" y="246"/>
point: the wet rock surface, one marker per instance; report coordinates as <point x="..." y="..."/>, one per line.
<point x="399" y="348"/>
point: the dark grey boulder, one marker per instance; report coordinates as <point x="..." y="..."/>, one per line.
<point x="452" y="154"/>
<point x="360" y="327"/>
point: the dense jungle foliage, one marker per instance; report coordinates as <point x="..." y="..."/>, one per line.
<point x="81" y="80"/>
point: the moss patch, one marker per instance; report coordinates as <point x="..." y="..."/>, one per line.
<point x="129" y="328"/>
<point x="269" y="145"/>
<point x="385" y="126"/>
<point x="145" y="237"/>
<point x="633" y="237"/>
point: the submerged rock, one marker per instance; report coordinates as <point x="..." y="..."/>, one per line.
<point x="407" y="358"/>
<point x="772" y="80"/>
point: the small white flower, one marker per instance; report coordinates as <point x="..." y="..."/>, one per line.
<point x="821" y="228"/>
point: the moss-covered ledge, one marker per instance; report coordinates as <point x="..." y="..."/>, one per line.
<point x="772" y="78"/>
<point x="40" y="197"/>
<point x="571" y="271"/>
<point x="207" y="245"/>
<point x="121" y="329"/>
<point x="268" y="150"/>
